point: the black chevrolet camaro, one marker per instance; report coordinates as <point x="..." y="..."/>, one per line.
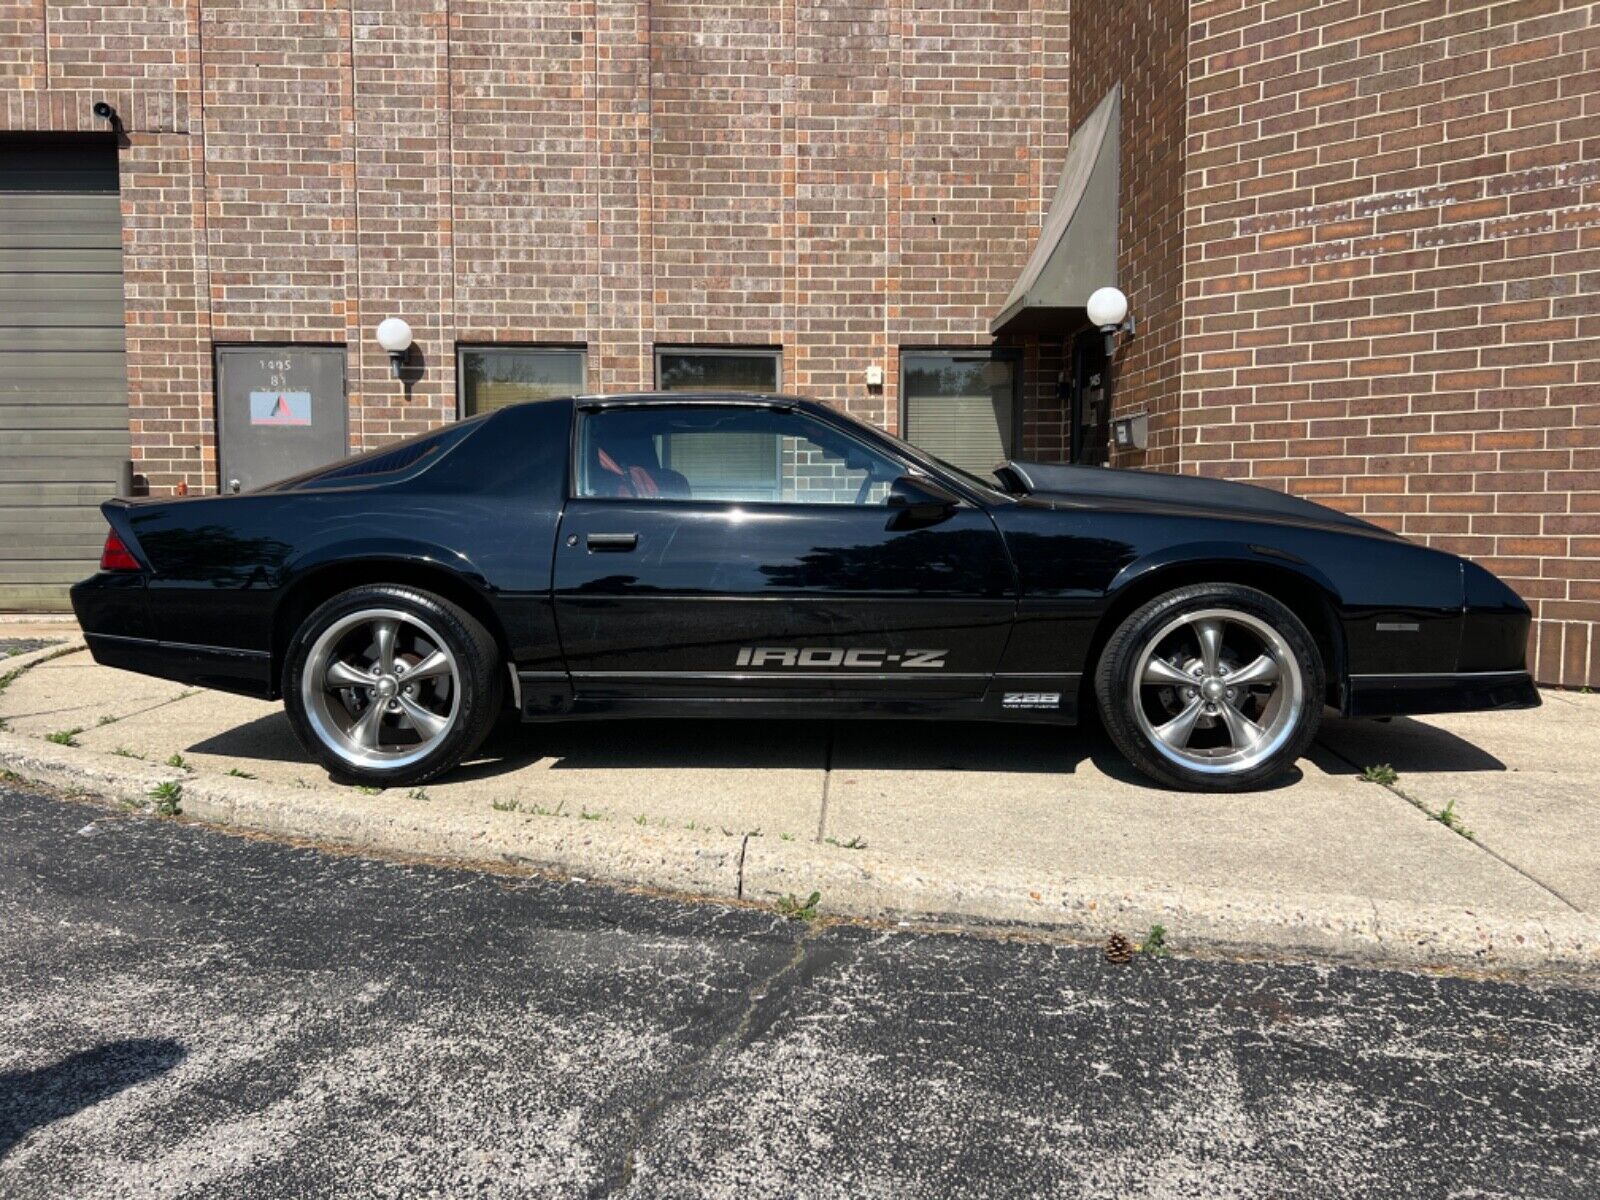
<point x="678" y="555"/>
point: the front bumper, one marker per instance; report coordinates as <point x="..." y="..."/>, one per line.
<point x="1468" y="691"/>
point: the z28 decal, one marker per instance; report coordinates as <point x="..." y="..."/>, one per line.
<point x="863" y="658"/>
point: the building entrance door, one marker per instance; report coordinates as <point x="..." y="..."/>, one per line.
<point x="280" y="410"/>
<point x="1091" y="399"/>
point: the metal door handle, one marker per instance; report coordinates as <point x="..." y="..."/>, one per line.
<point x="233" y="486"/>
<point x="613" y="541"/>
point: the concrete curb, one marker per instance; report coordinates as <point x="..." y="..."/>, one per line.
<point x="852" y="883"/>
<point x="18" y="663"/>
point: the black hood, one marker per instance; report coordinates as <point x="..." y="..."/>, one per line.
<point x="1091" y="484"/>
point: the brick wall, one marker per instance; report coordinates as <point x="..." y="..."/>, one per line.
<point x="1142" y="47"/>
<point x="1392" y="298"/>
<point x="837" y="179"/>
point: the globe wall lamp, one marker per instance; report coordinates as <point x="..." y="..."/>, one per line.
<point x="394" y="335"/>
<point x="1108" y="312"/>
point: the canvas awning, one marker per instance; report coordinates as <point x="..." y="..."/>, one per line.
<point x="1077" y="248"/>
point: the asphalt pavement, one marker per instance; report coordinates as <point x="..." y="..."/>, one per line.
<point x="188" y="1013"/>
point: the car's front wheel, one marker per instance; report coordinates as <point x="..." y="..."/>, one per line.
<point x="389" y="685"/>
<point x="1213" y="687"/>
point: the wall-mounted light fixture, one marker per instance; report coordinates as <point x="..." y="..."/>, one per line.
<point x="394" y="335"/>
<point x="1108" y="312"/>
<point x="111" y="117"/>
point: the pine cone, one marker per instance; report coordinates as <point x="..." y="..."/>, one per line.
<point x="1118" y="949"/>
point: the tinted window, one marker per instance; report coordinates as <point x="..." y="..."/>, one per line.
<point x="492" y="377"/>
<point x="717" y="370"/>
<point x="961" y="407"/>
<point x="749" y="455"/>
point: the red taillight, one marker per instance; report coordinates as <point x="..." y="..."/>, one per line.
<point x="115" y="556"/>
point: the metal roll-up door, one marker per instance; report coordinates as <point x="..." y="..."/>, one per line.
<point x="63" y="371"/>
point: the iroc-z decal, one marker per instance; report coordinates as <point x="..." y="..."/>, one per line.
<point x="1030" y="700"/>
<point x="858" y="657"/>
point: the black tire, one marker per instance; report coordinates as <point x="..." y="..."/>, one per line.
<point x="1152" y="642"/>
<point x="472" y="692"/>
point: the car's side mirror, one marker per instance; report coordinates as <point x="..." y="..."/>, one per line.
<point x="921" y="500"/>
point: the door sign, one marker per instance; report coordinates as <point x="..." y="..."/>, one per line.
<point x="280" y="408"/>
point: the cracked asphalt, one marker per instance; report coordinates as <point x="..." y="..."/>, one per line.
<point x="188" y="1014"/>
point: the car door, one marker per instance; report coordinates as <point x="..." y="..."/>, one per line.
<point x="747" y="550"/>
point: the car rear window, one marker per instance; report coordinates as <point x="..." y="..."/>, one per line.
<point x="388" y="463"/>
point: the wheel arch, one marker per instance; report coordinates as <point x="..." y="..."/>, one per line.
<point x="1296" y="585"/>
<point x="323" y="582"/>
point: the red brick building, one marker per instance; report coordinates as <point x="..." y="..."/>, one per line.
<point x="1361" y="241"/>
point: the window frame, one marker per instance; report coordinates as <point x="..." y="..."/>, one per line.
<point x="1010" y="354"/>
<point x="773" y="352"/>
<point x="582" y="411"/>
<point x="464" y="348"/>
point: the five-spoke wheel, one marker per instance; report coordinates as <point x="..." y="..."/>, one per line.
<point x="381" y="687"/>
<point x="1214" y="686"/>
<point x="389" y="685"/>
<point x="1217" y="690"/>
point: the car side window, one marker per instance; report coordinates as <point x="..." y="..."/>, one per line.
<point x="744" y="454"/>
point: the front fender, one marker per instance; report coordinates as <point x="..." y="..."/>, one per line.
<point x="1201" y="554"/>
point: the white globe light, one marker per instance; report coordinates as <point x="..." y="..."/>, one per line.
<point x="394" y="335"/>
<point x="1108" y="307"/>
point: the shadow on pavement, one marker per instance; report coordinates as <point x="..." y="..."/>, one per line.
<point x="32" y="1099"/>
<point x="730" y="744"/>
<point x="865" y="745"/>
<point x="1402" y="743"/>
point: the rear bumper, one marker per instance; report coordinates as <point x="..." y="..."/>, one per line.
<point x="248" y="672"/>
<point x="1472" y="691"/>
<point x="113" y="610"/>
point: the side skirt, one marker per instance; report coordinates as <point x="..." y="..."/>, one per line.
<point x="1019" y="699"/>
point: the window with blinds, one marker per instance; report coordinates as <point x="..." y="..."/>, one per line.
<point x="728" y="466"/>
<point x="961" y="406"/>
<point x="491" y="377"/>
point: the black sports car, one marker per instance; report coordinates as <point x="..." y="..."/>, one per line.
<point x="682" y="555"/>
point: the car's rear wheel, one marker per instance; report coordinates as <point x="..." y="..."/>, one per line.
<point x="1213" y="687"/>
<point x="388" y="685"/>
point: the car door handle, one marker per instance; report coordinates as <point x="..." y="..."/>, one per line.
<point x="615" y="542"/>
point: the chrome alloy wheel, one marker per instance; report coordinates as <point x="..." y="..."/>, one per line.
<point x="1217" y="691"/>
<point x="381" y="689"/>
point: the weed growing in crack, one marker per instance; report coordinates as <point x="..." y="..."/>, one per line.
<point x="176" y="760"/>
<point x="792" y="907"/>
<point x="166" y="795"/>
<point x="855" y="843"/>
<point x="418" y="794"/>
<point x="1382" y="774"/>
<point x="1446" y="816"/>
<point x="1155" y="942"/>
<point x="124" y="752"/>
<point x="64" y="737"/>
<point x="238" y="774"/>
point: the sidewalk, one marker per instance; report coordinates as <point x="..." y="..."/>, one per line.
<point x="930" y="822"/>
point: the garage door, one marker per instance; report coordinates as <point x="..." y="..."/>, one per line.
<point x="63" y="378"/>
